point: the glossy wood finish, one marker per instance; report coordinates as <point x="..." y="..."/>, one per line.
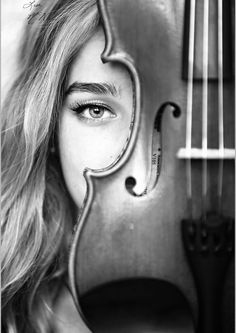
<point x="121" y="236"/>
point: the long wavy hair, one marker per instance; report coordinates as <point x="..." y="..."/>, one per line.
<point x="36" y="214"/>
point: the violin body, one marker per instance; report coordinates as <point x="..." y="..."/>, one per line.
<point x="124" y="236"/>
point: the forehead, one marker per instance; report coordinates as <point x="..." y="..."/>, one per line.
<point x="88" y="66"/>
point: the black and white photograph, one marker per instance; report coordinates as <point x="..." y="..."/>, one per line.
<point x="118" y="166"/>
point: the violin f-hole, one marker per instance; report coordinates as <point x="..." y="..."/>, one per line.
<point x="155" y="157"/>
<point x="130" y="183"/>
<point x="174" y="108"/>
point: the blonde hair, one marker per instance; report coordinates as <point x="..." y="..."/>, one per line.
<point x="36" y="215"/>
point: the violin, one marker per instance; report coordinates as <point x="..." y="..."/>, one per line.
<point x="134" y="255"/>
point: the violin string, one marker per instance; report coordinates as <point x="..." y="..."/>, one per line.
<point x="205" y="106"/>
<point x="220" y="103"/>
<point x="190" y="106"/>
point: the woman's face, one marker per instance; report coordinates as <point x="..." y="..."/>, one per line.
<point x="96" y="115"/>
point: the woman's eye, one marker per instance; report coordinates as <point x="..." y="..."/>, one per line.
<point x="93" y="112"/>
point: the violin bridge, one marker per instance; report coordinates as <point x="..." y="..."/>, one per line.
<point x="209" y="154"/>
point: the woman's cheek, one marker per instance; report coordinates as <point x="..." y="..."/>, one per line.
<point x="83" y="145"/>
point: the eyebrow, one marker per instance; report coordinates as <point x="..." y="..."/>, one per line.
<point x="103" y="88"/>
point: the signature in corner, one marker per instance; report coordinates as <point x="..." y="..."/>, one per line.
<point x="30" y="5"/>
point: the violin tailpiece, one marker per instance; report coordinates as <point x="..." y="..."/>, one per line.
<point x="209" y="247"/>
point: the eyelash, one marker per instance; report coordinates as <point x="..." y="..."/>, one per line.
<point x="80" y="107"/>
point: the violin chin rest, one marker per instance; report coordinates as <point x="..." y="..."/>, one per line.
<point x="137" y="305"/>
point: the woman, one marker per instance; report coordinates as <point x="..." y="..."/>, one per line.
<point x="66" y="111"/>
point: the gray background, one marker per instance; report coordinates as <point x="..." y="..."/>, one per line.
<point x="13" y="18"/>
